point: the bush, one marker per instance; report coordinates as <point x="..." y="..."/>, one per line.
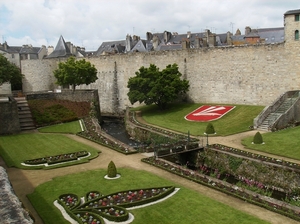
<point x="111" y="170"/>
<point x="210" y="129"/>
<point x="258" y="138"/>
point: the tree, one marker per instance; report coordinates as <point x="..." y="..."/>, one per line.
<point x="159" y="87"/>
<point x="111" y="170"/>
<point x="210" y="129"/>
<point x="258" y="139"/>
<point x="75" y="73"/>
<point x="9" y="72"/>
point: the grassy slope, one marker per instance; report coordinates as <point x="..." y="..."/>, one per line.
<point x="70" y="127"/>
<point x="186" y="206"/>
<point x="236" y="121"/>
<point x="283" y="143"/>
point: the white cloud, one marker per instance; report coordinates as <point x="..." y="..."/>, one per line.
<point x="90" y="22"/>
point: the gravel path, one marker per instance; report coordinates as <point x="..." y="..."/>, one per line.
<point x="24" y="181"/>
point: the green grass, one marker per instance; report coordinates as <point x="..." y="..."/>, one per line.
<point x="15" y="149"/>
<point x="236" y="121"/>
<point x="70" y="127"/>
<point x="186" y="206"/>
<point x="283" y="143"/>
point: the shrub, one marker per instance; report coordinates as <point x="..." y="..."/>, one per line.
<point x="111" y="170"/>
<point x="258" y="138"/>
<point x="210" y="129"/>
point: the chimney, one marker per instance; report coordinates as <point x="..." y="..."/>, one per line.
<point x="185" y="44"/>
<point x="247" y="30"/>
<point x="167" y="36"/>
<point x="197" y="42"/>
<point x="189" y="33"/>
<point x="155" y="42"/>
<point x="128" y="43"/>
<point x="149" y="36"/>
<point x="5" y="46"/>
<point x="69" y="46"/>
<point x="228" y="38"/>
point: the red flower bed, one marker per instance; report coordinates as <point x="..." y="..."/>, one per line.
<point x="208" y="113"/>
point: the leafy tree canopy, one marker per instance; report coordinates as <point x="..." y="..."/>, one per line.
<point x="73" y="72"/>
<point x="9" y="72"/>
<point x="152" y="86"/>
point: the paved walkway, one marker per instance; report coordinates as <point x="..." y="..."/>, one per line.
<point x="24" y="181"/>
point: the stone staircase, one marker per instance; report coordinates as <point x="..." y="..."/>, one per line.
<point x="272" y="117"/>
<point x="25" y="117"/>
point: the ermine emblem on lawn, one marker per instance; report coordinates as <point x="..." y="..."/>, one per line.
<point x="208" y="113"/>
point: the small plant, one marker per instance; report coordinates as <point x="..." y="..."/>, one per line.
<point x="258" y="138"/>
<point x="210" y="129"/>
<point x="111" y="170"/>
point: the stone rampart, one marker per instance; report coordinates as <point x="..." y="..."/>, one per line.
<point x="9" y="116"/>
<point x="250" y="75"/>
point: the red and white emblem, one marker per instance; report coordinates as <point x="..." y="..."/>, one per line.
<point x="208" y="113"/>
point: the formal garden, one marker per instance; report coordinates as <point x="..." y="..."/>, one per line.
<point x="43" y="146"/>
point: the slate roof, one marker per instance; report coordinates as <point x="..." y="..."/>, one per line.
<point x="140" y="46"/>
<point x="28" y="49"/>
<point x="272" y="35"/>
<point x="111" y="47"/>
<point x="61" y="49"/>
<point x="12" y="49"/>
<point x="292" y="12"/>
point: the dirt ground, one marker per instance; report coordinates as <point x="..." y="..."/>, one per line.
<point x="24" y="181"/>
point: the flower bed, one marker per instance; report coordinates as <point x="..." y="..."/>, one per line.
<point x="56" y="158"/>
<point x="112" y="206"/>
<point x="281" y="207"/>
<point x="295" y="166"/>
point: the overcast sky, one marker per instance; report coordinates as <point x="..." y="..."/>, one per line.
<point x="88" y="23"/>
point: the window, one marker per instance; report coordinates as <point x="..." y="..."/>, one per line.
<point x="12" y="56"/>
<point x="297" y="35"/>
<point x="297" y="17"/>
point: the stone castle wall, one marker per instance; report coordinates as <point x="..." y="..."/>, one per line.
<point x="251" y="75"/>
<point x="9" y="117"/>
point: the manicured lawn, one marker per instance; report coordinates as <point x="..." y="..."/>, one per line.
<point x="236" y="121"/>
<point x="186" y="206"/>
<point x="283" y="143"/>
<point x="70" y="127"/>
<point x="15" y="149"/>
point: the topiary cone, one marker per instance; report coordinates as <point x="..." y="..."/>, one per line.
<point x="111" y="170"/>
<point x="258" y="138"/>
<point x="210" y="129"/>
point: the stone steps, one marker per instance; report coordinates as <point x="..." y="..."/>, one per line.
<point x="272" y="117"/>
<point x="25" y="117"/>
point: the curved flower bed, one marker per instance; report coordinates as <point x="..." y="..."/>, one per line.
<point x="272" y="204"/>
<point x="112" y="206"/>
<point x="56" y="158"/>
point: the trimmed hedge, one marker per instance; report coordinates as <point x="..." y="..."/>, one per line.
<point x="111" y="170"/>
<point x="258" y="138"/>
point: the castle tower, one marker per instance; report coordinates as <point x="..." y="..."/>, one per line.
<point x="292" y="28"/>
